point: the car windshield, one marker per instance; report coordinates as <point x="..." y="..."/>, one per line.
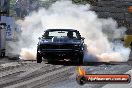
<point x="56" y="33"/>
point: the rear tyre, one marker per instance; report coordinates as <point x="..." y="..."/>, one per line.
<point x="131" y="45"/>
<point x="39" y="58"/>
<point x="2" y="54"/>
<point x="80" y="59"/>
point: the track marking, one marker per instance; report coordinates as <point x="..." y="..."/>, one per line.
<point x="39" y="78"/>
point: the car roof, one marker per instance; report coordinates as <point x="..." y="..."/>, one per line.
<point x="61" y="30"/>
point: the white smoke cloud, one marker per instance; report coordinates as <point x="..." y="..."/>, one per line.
<point x="64" y="14"/>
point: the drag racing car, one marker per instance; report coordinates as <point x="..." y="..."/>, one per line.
<point x="57" y="44"/>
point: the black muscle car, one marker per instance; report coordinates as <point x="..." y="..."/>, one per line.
<point x="56" y="44"/>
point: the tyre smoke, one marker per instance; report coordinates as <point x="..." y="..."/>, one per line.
<point x="99" y="33"/>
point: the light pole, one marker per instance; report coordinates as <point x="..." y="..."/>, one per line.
<point x="2" y="39"/>
<point x="4" y="11"/>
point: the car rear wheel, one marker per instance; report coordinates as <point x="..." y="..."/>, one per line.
<point x="39" y="58"/>
<point x="2" y="54"/>
<point x="80" y="59"/>
<point x="131" y="45"/>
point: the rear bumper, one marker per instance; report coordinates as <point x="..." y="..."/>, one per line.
<point x="61" y="53"/>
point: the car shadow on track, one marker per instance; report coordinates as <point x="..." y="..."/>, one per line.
<point x="68" y="63"/>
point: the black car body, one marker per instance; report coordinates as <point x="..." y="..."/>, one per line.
<point x="58" y="44"/>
